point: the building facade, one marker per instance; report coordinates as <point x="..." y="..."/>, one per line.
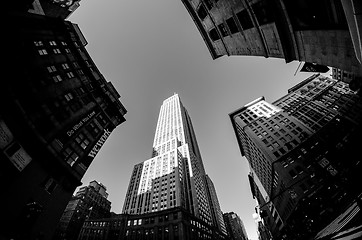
<point x="90" y="202"/>
<point x="173" y="224"/>
<point x="56" y="112"/>
<point x="235" y="226"/>
<point x="325" y="32"/>
<point x="175" y="175"/>
<point x="51" y="8"/>
<point x="343" y="75"/>
<point x="57" y="8"/>
<point x="217" y="215"/>
<point x="294" y="148"/>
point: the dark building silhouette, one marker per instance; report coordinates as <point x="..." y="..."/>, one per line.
<point x="322" y="32"/>
<point x="56" y="8"/>
<point x="300" y="150"/>
<point x="263" y="232"/>
<point x="235" y="227"/>
<point x="90" y="202"/>
<point x="51" y="8"/>
<point x="56" y="112"/>
<point x="173" y="223"/>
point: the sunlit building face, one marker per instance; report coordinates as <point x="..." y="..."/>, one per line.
<point x="175" y="175"/>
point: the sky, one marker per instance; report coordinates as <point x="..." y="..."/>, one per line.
<point x="152" y="49"/>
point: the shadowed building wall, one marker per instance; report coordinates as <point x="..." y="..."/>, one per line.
<point x="56" y="112"/>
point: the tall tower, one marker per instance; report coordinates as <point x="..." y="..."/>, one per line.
<point x="175" y="175"/>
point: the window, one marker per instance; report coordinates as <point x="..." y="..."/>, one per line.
<point x="201" y="12"/>
<point x="56" y="50"/>
<point x="52" y="43"/>
<point x="244" y="19"/>
<point x="50" y="184"/>
<point x="42" y="52"/>
<point x="209" y="4"/>
<point x="292" y="173"/>
<point x="67" y="50"/>
<point x="82" y="140"/>
<point x="68" y="96"/>
<point x="38" y="43"/>
<point x="214" y="35"/>
<point x="51" y="69"/>
<point x="232" y="25"/>
<point x="75" y="64"/>
<point x="223" y="30"/>
<point x="70" y="75"/>
<point x="93" y="128"/>
<point x="263" y="12"/>
<point x="57" y="78"/>
<point x="70" y="156"/>
<point x="65" y="66"/>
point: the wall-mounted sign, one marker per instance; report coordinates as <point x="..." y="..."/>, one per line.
<point x="13" y="150"/>
<point x="18" y="156"/>
<point x="99" y="144"/>
<point x="79" y="124"/>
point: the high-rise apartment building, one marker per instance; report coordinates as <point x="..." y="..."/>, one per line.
<point x="175" y="175"/>
<point x="56" y="112"/>
<point x="235" y="227"/>
<point x="90" y="202"/>
<point x="295" y="148"/>
<point x="323" y="32"/>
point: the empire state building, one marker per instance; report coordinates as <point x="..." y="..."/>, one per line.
<point x="174" y="176"/>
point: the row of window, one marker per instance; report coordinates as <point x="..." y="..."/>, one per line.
<point x="82" y="140"/>
<point x="52" y="45"/>
<point x="263" y="14"/>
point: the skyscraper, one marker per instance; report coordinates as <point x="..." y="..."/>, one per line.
<point x="235" y="226"/>
<point x="294" y="148"/>
<point x="174" y="176"/>
<point x="56" y="112"/>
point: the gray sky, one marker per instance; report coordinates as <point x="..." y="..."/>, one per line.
<point x="151" y="49"/>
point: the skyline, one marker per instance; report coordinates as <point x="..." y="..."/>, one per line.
<point x="147" y="70"/>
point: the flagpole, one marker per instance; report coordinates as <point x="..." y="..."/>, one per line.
<point x="297" y="68"/>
